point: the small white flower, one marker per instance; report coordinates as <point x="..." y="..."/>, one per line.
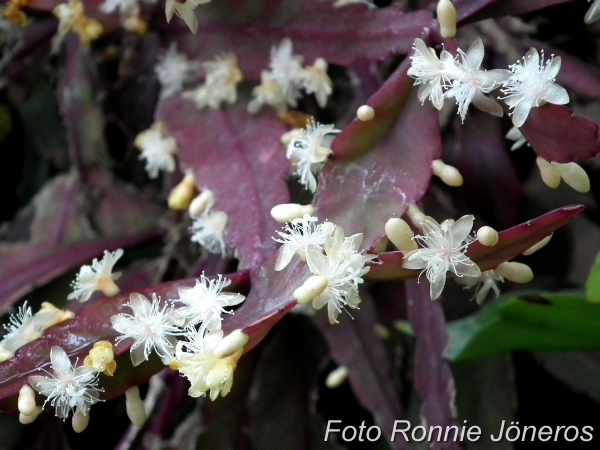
<point x="98" y="276"/>
<point x="443" y="250"/>
<point x="532" y="84"/>
<point x="204" y="303"/>
<point x="185" y="11"/>
<point x="431" y="72"/>
<point x="208" y="231"/>
<point x="67" y="388"/>
<point x="514" y="134"/>
<point x="202" y="368"/>
<point x="268" y="92"/>
<point x="298" y="235"/>
<point x="309" y="150"/>
<point x="173" y="70"/>
<point x="286" y="70"/>
<point x="18" y="320"/>
<point x="150" y="328"/>
<point x="473" y="83"/>
<point x="484" y="284"/>
<point x="220" y="85"/>
<point x="343" y="266"/>
<point x="125" y="7"/>
<point x="314" y="80"/>
<point x="156" y="149"/>
<point x="593" y="13"/>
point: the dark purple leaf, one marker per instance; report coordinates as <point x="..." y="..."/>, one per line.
<point x="485" y="9"/>
<point x="511" y="244"/>
<point x="432" y="378"/>
<point x="360" y="193"/>
<point x="353" y="344"/>
<point x="468" y="8"/>
<point x="258" y="25"/>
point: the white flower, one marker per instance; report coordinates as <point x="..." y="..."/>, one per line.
<point x="204" y="303"/>
<point x="514" y="134"/>
<point x="532" y="84"/>
<point x="268" y="92"/>
<point x="309" y="150"/>
<point x="431" y="72"/>
<point x="67" y="388"/>
<point x="298" y="235"/>
<point x="286" y="70"/>
<point x="485" y="283"/>
<point x="444" y="250"/>
<point x="202" y="368"/>
<point x="18" y="320"/>
<point x="98" y="276"/>
<point x="593" y="13"/>
<point x="208" y="231"/>
<point x="185" y="11"/>
<point x="125" y="7"/>
<point x="314" y="80"/>
<point x="156" y="149"/>
<point x="173" y="70"/>
<point x="472" y="83"/>
<point x="150" y="328"/>
<point x="220" y="85"/>
<point x="343" y="266"/>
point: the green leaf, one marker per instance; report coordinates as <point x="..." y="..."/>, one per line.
<point x="592" y="287"/>
<point x="542" y="322"/>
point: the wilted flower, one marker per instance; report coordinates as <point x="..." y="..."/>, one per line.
<point x="97" y="277"/>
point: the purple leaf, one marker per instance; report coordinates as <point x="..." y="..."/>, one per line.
<point x="432" y="378"/>
<point x="511" y="243"/>
<point x="485" y="9"/>
<point x="258" y="25"/>
<point x="361" y="193"/>
<point x="353" y="344"/>
<point x="240" y="158"/>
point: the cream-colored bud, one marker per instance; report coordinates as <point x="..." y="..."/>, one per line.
<point x="365" y="113"/>
<point x="26" y="403"/>
<point x="537" y="246"/>
<point x="574" y="176"/>
<point x="400" y="234"/>
<point x="201" y="204"/>
<point x="5" y="354"/>
<point x="230" y="344"/>
<point x="80" y="421"/>
<point x="101" y="358"/>
<point x="337" y="377"/>
<point x="448" y="174"/>
<point x="135" y="406"/>
<point x="287" y="137"/>
<point x="182" y="195"/>
<point x="549" y="174"/>
<point x="26" y="420"/>
<point x="312" y="287"/>
<point x="515" y="272"/>
<point x="381" y="331"/>
<point x="321" y="64"/>
<point x="487" y="236"/>
<point x="446" y="16"/>
<point x="289" y="211"/>
<point x="415" y="215"/>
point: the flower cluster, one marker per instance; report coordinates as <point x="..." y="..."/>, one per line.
<point x="282" y="85"/>
<point x="527" y="84"/>
<point x="71" y="17"/>
<point x="335" y="261"/>
<point x="308" y="151"/>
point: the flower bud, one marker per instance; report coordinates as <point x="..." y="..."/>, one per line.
<point x="365" y="113"/>
<point x="515" y="272"/>
<point x="26" y="403"/>
<point x="201" y="204"/>
<point x="80" y="421"/>
<point x="181" y="196"/>
<point x="400" y="234"/>
<point x="574" y="176"/>
<point x="101" y="358"/>
<point x="337" y="377"/>
<point x="487" y="236"/>
<point x="230" y="344"/>
<point x="448" y="174"/>
<point x="537" y="246"/>
<point x="381" y="331"/>
<point x="26" y="420"/>
<point x="446" y="16"/>
<point x="5" y="354"/>
<point x="312" y="287"/>
<point x="135" y="406"/>
<point x="289" y="211"/>
<point x="415" y="215"/>
<point x="549" y="174"/>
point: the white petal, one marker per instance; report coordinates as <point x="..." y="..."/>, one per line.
<point x="60" y="360"/>
<point x="556" y="94"/>
<point x="138" y="354"/>
<point x="437" y="284"/>
<point x="475" y="53"/>
<point x="487" y="104"/>
<point x="468" y="270"/>
<point x="140" y="305"/>
<point x="461" y="229"/>
<point x="284" y="256"/>
<point x="520" y="113"/>
<point x="553" y="68"/>
<point x="532" y="58"/>
<point x="317" y="262"/>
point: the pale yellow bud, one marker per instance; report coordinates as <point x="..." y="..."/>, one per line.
<point x="230" y="344"/>
<point x="289" y="211"/>
<point x="337" y="377"/>
<point x="515" y="272"/>
<point x="101" y="358"/>
<point x="487" y="236"/>
<point x="446" y="16"/>
<point x="365" y="113"/>
<point x="182" y="195"/>
<point x="415" y="215"/>
<point x="201" y="204"/>
<point x="5" y="354"/>
<point x="312" y="287"/>
<point x="448" y="174"/>
<point x="26" y="403"/>
<point x="400" y="234"/>
<point x="26" y="420"/>
<point x="537" y="246"/>
<point x="549" y="174"/>
<point x="574" y="176"/>
<point x="80" y="421"/>
<point x="135" y="407"/>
